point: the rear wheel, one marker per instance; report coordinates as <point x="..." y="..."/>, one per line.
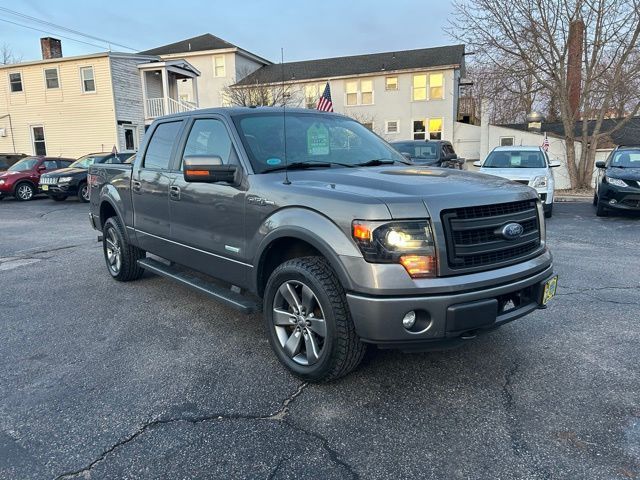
<point x="308" y="321"/>
<point x="83" y="192"/>
<point x="121" y="257"/>
<point x="24" y="191"/>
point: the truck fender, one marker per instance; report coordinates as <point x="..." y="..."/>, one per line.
<point x="109" y="194"/>
<point x="309" y="226"/>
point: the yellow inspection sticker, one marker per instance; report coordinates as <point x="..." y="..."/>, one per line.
<point x="549" y="289"/>
<point x="44" y="187"/>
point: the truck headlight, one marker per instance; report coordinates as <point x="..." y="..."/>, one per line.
<point x="540" y="182"/>
<point x="409" y="243"/>
<point x="65" y="179"/>
<point x="615" y="181"/>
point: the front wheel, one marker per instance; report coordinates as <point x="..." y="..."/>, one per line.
<point x="24" y="192"/>
<point x="120" y="256"/>
<point x="83" y="192"/>
<point x="308" y="321"/>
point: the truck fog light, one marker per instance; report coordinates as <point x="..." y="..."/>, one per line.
<point x="409" y="320"/>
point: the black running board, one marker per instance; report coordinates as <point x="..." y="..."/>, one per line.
<point x="233" y="299"/>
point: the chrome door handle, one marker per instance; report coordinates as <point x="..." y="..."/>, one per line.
<point x="174" y="192"/>
<point x="136" y="185"/>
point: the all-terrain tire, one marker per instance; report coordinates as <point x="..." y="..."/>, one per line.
<point x="114" y="240"/>
<point x="342" y="349"/>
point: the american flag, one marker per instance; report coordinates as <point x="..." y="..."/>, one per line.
<point x="545" y="143"/>
<point x="324" y="102"/>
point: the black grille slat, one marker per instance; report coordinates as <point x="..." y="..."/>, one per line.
<point x="472" y="239"/>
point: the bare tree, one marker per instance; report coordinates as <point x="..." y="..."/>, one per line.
<point x="534" y="34"/>
<point x="7" y="55"/>
<point x="258" y="91"/>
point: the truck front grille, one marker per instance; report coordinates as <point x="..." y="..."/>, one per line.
<point x="473" y="235"/>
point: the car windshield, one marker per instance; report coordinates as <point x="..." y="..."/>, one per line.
<point x="418" y="151"/>
<point x="23" y="165"/>
<point x="626" y="159"/>
<point x="312" y="138"/>
<point x="87" y="161"/>
<point x="515" y="159"/>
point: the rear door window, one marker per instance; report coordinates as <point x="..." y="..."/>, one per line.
<point x="161" y="146"/>
<point x="50" y="164"/>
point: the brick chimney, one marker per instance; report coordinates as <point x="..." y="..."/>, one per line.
<point x="51" y="48"/>
<point x="574" y="65"/>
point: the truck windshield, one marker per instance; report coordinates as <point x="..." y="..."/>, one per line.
<point x="419" y="151"/>
<point x="626" y="159"/>
<point x="314" y="138"/>
<point x="515" y="159"/>
<point x="24" y="165"/>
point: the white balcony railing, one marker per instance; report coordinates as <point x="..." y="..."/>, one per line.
<point x="156" y="106"/>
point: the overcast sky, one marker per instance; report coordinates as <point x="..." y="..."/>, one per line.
<point x="331" y="28"/>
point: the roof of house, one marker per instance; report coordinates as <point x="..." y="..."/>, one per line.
<point x="628" y="134"/>
<point x="358" y="65"/>
<point x="81" y="57"/>
<point x="200" y="43"/>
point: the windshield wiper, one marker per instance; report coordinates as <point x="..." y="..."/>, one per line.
<point x="379" y="161"/>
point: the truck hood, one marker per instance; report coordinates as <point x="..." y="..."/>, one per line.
<point x="407" y="190"/>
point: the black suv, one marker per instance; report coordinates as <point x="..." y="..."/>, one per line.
<point x="435" y="153"/>
<point x="618" y="182"/>
<point x="62" y="183"/>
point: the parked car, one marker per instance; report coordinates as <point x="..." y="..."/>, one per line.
<point x="437" y="153"/>
<point x="618" y="182"/>
<point x="72" y="180"/>
<point x="526" y="165"/>
<point x="8" y="159"/>
<point x="22" y="178"/>
<point x="339" y="239"/>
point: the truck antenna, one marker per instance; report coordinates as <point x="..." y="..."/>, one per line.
<point x="284" y="120"/>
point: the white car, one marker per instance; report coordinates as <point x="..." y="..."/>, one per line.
<point x="526" y="165"/>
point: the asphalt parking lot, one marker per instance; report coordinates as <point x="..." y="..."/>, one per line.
<point x="108" y="380"/>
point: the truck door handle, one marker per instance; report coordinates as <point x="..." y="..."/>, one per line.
<point x="174" y="192"/>
<point x="136" y="185"/>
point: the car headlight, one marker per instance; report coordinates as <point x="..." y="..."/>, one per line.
<point x="65" y="179"/>
<point x="409" y="243"/>
<point x="1" y="182"/>
<point x="540" y="182"/>
<point x="616" y="181"/>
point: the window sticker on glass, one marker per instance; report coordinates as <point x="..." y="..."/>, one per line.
<point x="318" y="140"/>
<point x="274" y="161"/>
<point x="516" y="161"/>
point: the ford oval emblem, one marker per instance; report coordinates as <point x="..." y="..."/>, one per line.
<point x="511" y="231"/>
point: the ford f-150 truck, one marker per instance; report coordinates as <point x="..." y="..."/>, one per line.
<point x="315" y="220"/>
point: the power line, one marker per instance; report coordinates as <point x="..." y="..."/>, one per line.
<point x="63" y="28"/>
<point x="49" y="33"/>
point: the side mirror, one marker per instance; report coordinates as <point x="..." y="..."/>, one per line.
<point x="407" y="156"/>
<point x="449" y="156"/>
<point x="601" y="164"/>
<point x="555" y="164"/>
<point x="42" y="168"/>
<point x="477" y="163"/>
<point x="209" y="169"/>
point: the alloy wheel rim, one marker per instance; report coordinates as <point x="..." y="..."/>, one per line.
<point x="85" y="192"/>
<point x="113" y="251"/>
<point x="299" y="322"/>
<point x="25" y="192"/>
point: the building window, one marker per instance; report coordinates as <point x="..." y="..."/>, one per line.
<point x="366" y="92"/>
<point x="419" y="130"/>
<point x="507" y="141"/>
<point x="88" y="81"/>
<point x="392" y="126"/>
<point x="368" y="125"/>
<point x="218" y="66"/>
<point x="436" y="86"/>
<point x="312" y="93"/>
<point x="15" y="82"/>
<point x="435" y="129"/>
<point x="352" y="92"/>
<point x="130" y="138"/>
<point x="51" y="77"/>
<point x="37" y="135"/>
<point x="391" y="83"/>
<point x="419" y="87"/>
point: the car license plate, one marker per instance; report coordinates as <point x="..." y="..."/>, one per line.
<point x="44" y="187"/>
<point x="549" y="291"/>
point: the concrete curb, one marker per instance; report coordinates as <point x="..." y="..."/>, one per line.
<point x="572" y="198"/>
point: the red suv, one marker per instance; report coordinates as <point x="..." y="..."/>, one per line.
<point x="22" y="178"/>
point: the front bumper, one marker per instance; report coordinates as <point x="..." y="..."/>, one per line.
<point x="620" y="198"/>
<point x="60" y="189"/>
<point x="445" y="318"/>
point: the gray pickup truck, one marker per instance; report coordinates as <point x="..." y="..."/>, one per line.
<point x="331" y="232"/>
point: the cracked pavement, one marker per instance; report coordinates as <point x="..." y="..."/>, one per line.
<point x="151" y="380"/>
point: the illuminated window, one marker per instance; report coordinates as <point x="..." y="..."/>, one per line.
<point x="391" y="83"/>
<point x="419" y="87"/>
<point x="352" y="92"/>
<point x="366" y="87"/>
<point x="435" y="129"/>
<point x="419" y="130"/>
<point x="312" y="93"/>
<point x="218" y="66"/>
<point x="436" y="86"/>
